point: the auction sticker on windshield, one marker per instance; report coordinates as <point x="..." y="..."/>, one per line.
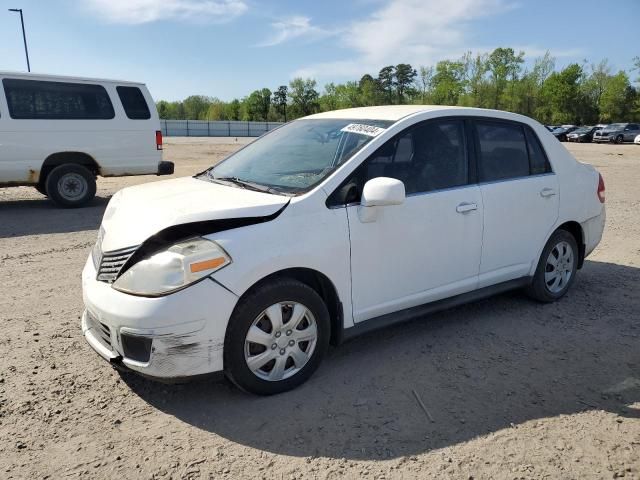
<point x="369" y="130"/>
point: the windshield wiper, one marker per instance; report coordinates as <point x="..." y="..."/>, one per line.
<point x="249" y="185"/>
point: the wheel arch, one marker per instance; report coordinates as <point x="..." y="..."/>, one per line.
<point x="575" y="229"/>
<point x="321" y="284"/>
<point x="62" y="158"/>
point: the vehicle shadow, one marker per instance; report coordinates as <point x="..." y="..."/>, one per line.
<point x="477" y="369"/>
<point x="35" y="216"/>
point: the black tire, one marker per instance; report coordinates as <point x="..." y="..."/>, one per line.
<point x="539" y="289"/>
<point x="619" y="139"/>
<point x="70" y="185"/>
<point x="249" y="309"/>
<point x="41" y="188"/>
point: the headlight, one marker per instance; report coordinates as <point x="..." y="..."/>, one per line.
<point x="173" y="269"/>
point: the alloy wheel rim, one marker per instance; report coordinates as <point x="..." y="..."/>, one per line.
<point x="559" y="267"/>
<point x="72" y="186"/>
<point x="280" y="341"/>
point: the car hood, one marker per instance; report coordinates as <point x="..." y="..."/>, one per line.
<point x="136" y="213"/>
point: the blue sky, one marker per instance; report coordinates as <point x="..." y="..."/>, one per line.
<point x="227" y="48"/>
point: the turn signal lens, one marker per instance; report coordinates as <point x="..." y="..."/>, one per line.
<point x="207" y="264"/>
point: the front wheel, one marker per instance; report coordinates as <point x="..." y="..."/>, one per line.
<point x="70" y="185"/>
<point x="556" y="269"/>
<point x="277" y="337"/>
<point x="619" y="139"/>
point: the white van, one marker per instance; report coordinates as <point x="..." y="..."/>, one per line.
<point x="58" y="133"/>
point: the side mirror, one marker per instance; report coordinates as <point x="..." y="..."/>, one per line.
<point x="379" y="192"/>
<point x="382" y="192"/>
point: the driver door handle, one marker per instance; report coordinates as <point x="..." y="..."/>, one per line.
<point x="547" y="192"/>
<point x="466" y="207"/>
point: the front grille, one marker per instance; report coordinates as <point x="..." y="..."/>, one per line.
<point x="101" y="331"/>
<point x="112" y="262"/>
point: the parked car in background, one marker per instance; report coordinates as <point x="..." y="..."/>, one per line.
<point x="365" y="217"/>
<point x="561" y="132"/>
<point x="581" y="135"/>
<point x="58" y="133"/>
<point x="618" y="133"/>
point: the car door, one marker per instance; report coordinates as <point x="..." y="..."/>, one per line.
<point x="520" y="195"/>
<point x="429" y="247"/>
<point x="631" y="131"/>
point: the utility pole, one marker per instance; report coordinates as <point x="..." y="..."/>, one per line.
<point x="24" y="35"/>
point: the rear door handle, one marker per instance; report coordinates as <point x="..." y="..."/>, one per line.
<point x="547" y="192"/>
<point x="466" y="207"/>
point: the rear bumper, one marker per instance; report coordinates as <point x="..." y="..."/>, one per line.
<point x="593" y="230"/>
<point x="165" y="168"/>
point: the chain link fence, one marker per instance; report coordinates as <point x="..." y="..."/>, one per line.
<point x="203" y="128"/>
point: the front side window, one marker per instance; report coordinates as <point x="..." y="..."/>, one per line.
<point x="502" y="151"/>
<point x="297" y="156"/>
<point x="426" y="157"/>
<point x="133" y="102"/>
<point x="35" y="99"/>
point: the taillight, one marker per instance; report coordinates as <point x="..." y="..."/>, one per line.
<point x="601" y="189"/>
<point x="159" y="139"/>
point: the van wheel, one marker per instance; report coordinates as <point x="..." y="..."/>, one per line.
<point x="277" y="337"/>
<point x="70" y="185"/>
<point x="556" y="269"/>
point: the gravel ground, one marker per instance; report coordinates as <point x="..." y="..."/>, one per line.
<point x="515" y="389"/>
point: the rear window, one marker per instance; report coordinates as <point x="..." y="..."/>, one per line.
<point x="35" y="99"/>
<point x="135" y="106"/>
<point x="503" y="151"/>
<point x="537" y="156"/>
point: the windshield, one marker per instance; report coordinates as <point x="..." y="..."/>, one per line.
<point x="559" y="130"/>
<point x="583" y="130"/>
<point x="297" y="156"/>
<point x="615" y="126"/>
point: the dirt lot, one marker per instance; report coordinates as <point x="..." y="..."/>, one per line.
<point x="516" y="389"/>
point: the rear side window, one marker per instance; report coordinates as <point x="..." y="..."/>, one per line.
<point x="537" y="157"/>
<point x="135" y="106"/>
<point x="35" y="99"/>
<point x="503" y="151"/>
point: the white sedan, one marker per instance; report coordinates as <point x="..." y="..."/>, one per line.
<point x="637" y="140"/>
<point x="330" y="226"/>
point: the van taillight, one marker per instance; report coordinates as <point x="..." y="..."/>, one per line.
<point x="158" y="139"/>
<point x="601" y="189"/>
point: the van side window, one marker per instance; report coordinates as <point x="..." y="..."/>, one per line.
<point x="539" y="163"/>
<point x="135" y="106"/>
<point x="42" y="100"/>
<point x="503" y="151"/>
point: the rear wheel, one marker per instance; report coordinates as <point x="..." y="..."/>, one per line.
<point x="619" y="139"/>
<point x="70" y="185"/>
<point x="556" y="269"/>
<point x="277" y="337"/>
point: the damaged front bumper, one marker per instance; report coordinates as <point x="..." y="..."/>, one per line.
<point x="166" y="338"/>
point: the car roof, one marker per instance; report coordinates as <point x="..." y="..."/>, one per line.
<point x="396" y="112"/>
<point x="42" y="76"/>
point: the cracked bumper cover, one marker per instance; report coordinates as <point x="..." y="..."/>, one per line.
<point x="186" y="328"/>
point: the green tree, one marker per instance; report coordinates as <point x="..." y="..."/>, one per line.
<point x="617" y="99"/>
<point x="504" y="65"/>
<point x="561" y="96"/>
<point x="385" y="83"/>
<point x="280" y="100"/>
<point x="196" y="106"/>
<point x="447" y="83"/>
<point x="304" y="96"/>
<point x="405" y="76"/>
<point x="369" y="91"/>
